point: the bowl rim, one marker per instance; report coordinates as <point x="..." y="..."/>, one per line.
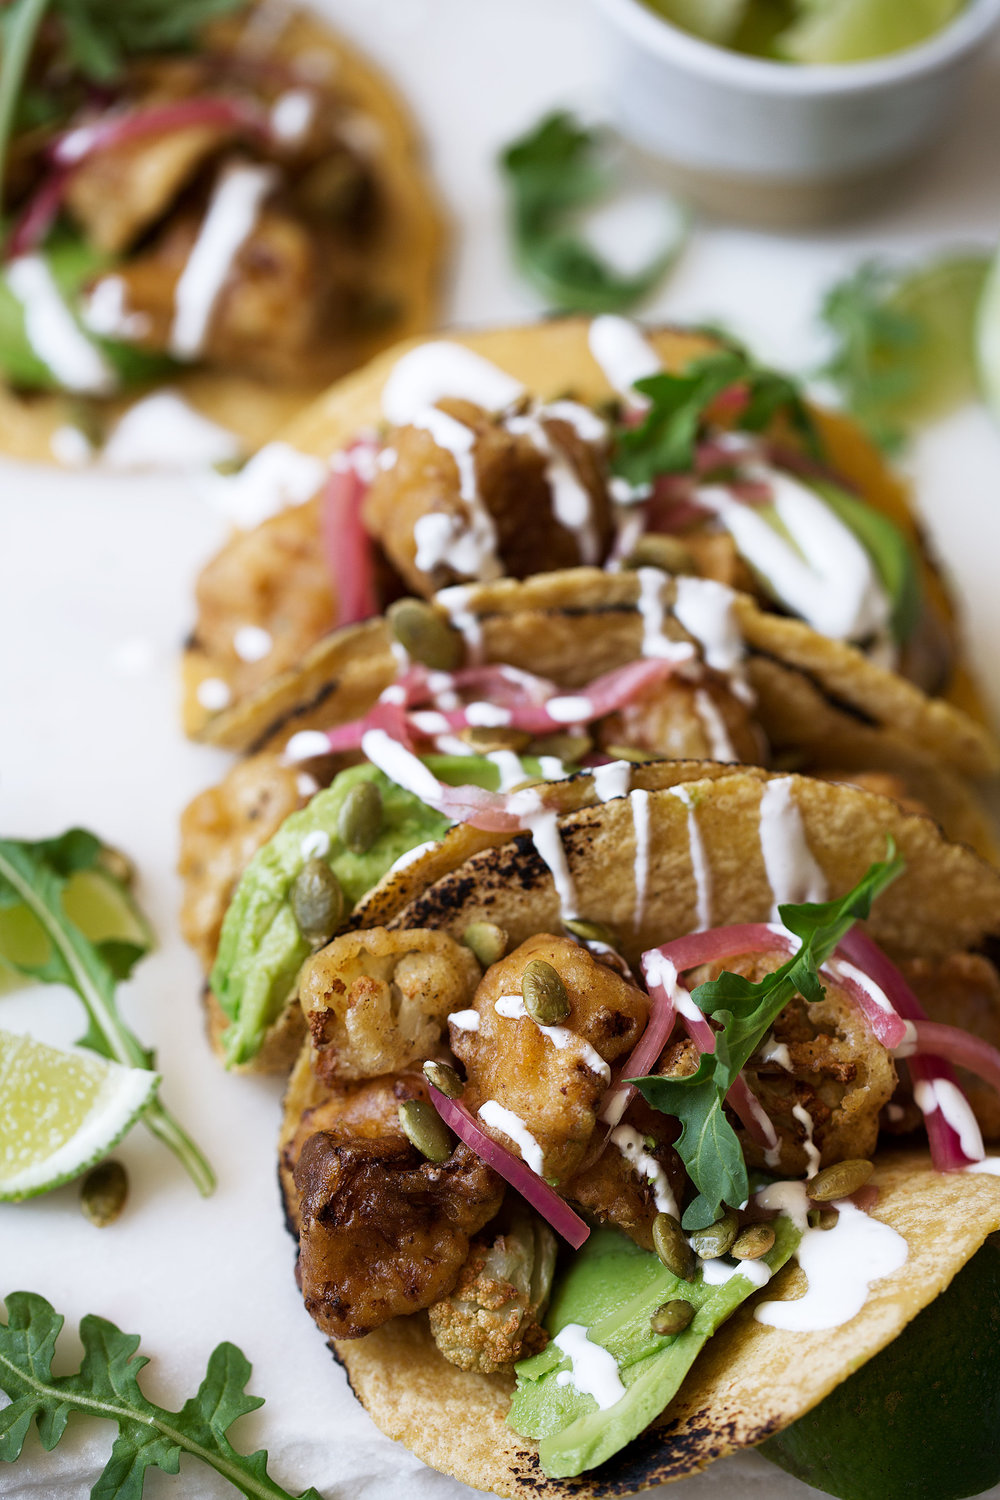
<point x="654" y="33"/>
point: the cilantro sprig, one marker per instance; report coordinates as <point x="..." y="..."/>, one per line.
<point x="681" y="406"/>
<point x="40" y="941"/>
<point x="554" y="173"/>
<point x="708" y="1144"/>
<point x="106" y="1385"/>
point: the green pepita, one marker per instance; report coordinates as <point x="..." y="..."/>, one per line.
<point x="672" y="1317"/>
<point x="753" y="1242"/>
<point x="670" y="1244"/>
<point x="444" y="1079"/>
<point x="103" y="1193"/>
<point x="317" y="902"/>
<point x="823" y="1218"/>
<point x="485" y="739"/>
<point x="425" y="635"/>
<point x="425" y="1129"/>
<point x="840" y="1180"/>
<point x="565" y="747"/>
<point x="717" y="1239"/>
<point x="657" y="551"/>
<point x="487" y="941"/>
<point x="360" y="819"/>
<point x="545" y="997"/>
<point x="625" y="752"/>
<point x="591" y="932"/>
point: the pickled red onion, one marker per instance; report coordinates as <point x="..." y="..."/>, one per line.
<point x="348" y="546"/>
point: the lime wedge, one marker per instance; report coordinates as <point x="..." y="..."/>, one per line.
<point x="60" y="1112"/>
<point x="712" y="20"/>
<point x="844" y="31"/>
<point x="944" y="300"/>
<point x="988" y="340"/>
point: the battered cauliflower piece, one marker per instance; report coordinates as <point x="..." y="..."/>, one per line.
<point x="493" y="1317"/>
<point x="553" y="1083"/>
<point x="698" y="718"/>
<point x="513" y="487"/>
<point x="383" y="1231"/>
<point x="221" y="831"/>
<point x="964" y="990"/>
<point x="825" y="1092"/>
<point x="636" y="1175"/>
<point x="377" y="1001"/>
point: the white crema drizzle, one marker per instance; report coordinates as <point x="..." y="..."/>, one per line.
<point x="792" y="872"/>
<point x="624" y="355"/>
<point x="699" y="861"/>
<point x="840" y="1264"/>
<point x="511" y="1125"/>
<point x="639" y="803"/>
<point x="53" y="332"/>
<point x="512" y="1008"/>
<point x="632" y="1145"/>
<point x="594" y="1371"/>
<point x="230" y="218"/>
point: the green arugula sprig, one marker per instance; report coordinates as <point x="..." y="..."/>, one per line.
<point x="553" y="173"/>
<point x="708" y="1144"/>
<point x="34" y="878"/>
<point x="870" y="366"/>
<point x="665" y="441"/>
<point x="106" y="1385"/>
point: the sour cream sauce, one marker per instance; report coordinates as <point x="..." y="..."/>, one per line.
<point x="593" y="1370"/>
<point x="840" y="1264"/>
<point x="792" y="872"/>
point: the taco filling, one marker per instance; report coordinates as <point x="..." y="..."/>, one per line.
<point x="586" y="1094"/>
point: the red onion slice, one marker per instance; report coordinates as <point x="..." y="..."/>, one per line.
<point x="534" y="1189"/>
<point x="348" y="546"/>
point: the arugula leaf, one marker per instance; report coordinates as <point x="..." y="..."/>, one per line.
<point x="552" y="171"/>
<point x="33" y="881"/>
<point x="708" y="1144"/>
<point x="664" y="443"/>
<point x="106" y="1385"/>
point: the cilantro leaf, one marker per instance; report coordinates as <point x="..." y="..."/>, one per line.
<point x="39" y="940"/>
<point x="708" y="1144"/>
<point x="551" y="172"/>
<point x="680" y="409"/>
<point x="106" y="1385"/>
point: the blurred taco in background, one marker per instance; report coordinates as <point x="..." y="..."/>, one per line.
<point x="573" y="1104"/>
<point x="216" y="201"/>
<point x="571" y="443"/>
<point x="377" y="743"/>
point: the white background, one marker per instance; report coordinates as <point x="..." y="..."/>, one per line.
<point x="95" y="589"/>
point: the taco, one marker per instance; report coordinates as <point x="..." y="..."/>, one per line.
<point x="528" y="450"/>
<point x="557" y="672"/>
<point x="572" y="1109"/>
<point x="223" y="198"/>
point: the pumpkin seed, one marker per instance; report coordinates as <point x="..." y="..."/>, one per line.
<point x="487" y="941"/>
<point x="565" y="747"/>
<point x="117" y="864"/>
<point x="428" y="638"/>
<point x="590" y="932"/>
<point x="425" y="1129"/>
<point x="840" y="1180"/>
<point x="670" y="1244"/>
<point x="753" y="1242"/>
<point x="444" y="1079"/>
<point x="672" y="1317"/>
<point x="483" y="738"/>
<point x="657" y="551"/>
<point x="625" y="752"/>
<point x="545" y="997"/>
<point x="823" y="1218"/>
<point x="717" y="1239"/>
<point x="103" y="1193"/>
<point x="317" y="902"/>
<point x="359" y="821"/>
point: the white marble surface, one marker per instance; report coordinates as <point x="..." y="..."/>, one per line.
<point x="95" y="576"/>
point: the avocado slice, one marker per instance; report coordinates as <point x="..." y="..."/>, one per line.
<point x="261" y="949"/>
<point x="611" y="1289"/>
<point x="920" y="1421"/>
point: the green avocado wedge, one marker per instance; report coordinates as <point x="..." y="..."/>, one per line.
<point x="920" y="1421"/>
<point x="261" y="949"/>
<point x="611" y="1290"/>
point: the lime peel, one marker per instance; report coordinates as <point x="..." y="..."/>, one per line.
<point x="60" y="1112"/>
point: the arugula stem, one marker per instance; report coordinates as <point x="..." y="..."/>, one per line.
<point x="26" y="18"/>
<point x="158" y="1119"/>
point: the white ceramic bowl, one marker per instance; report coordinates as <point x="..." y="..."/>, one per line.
<point x="782" y="140"/>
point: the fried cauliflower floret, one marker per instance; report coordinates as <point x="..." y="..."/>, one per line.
<point x="553" y="1084"/>
<point x="274" y="577"/>
<point x="493" y="1316"/>
<point x="383" y="1231"/>
<point x="964" y="990"/>
<point x="827" y="1089"/>
<point x="636" y="1175"/>
<point x="221" y="831"/>
<point x="688" y="719"/>
<point x="377" y="1001"/>
<point x="516" y="483"/>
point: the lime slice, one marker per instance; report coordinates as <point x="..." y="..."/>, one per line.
<point x="943" y="299"/>
<point x="60" y="1112"/>
<point x="988" y="340"/>
<point x="712" y="20"/>
<point x="843" y="31"/>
